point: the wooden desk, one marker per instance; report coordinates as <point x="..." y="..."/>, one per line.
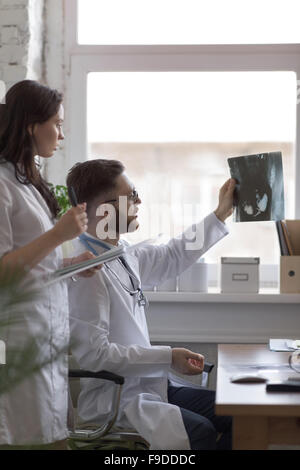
<point x="260" y="418"/>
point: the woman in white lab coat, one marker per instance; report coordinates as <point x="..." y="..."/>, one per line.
<point x="108" y="322"/>
<point x="35" y="411"/>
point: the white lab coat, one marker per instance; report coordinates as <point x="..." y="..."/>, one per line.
<point x="109" y="331"/>
<point x="35" y="411"/>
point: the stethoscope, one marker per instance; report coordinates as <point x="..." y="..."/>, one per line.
<point x="141" y="298"/>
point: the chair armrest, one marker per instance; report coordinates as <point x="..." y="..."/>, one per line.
<point x="208" y="367"/>
<point x="102" y="374"/>
<point x="117" y="379"/>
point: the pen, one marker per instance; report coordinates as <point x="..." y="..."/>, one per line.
<point x="73" y="197"/>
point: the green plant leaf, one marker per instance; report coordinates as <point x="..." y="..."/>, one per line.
<point x="61" y="194"/>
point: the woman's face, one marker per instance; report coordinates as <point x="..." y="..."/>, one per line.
<point x="46" y="136"/>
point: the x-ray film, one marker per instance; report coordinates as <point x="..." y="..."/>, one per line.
<point x="259" y="193"/>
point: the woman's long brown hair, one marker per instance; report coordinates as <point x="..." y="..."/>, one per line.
<point x="26" y="104"/>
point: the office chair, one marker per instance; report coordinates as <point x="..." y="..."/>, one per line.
<point x="92" y="436"/>
<point x="106" y="436"/>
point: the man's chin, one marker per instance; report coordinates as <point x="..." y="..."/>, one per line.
<point x="133" y="226"/>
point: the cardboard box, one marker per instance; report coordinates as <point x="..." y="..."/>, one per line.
<point x="290" y="274"/>
<point x="239" y="275"/>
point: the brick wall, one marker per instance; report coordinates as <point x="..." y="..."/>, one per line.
<point x="21" y="40"/>
<point x="32" y="47"/>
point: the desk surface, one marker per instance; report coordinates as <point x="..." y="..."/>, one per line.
<point x="252" y="399"/>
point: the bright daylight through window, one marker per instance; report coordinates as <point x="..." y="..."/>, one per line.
<point x="174" y="130"/>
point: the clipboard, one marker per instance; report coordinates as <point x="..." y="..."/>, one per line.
<point x="69" y="271"/>
<point x="110" y="255"/>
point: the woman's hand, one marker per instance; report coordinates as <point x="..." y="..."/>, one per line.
<point x="71" y="224"/>
<point x="83" y="257"/>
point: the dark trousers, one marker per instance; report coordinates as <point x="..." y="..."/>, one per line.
<point x="197" y="408"/>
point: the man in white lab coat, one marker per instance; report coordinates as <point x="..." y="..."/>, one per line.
<point x="108" y="323"/>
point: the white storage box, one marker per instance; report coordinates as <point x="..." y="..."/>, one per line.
<point x="240" y="275"/>
<point x="195" y="278"/>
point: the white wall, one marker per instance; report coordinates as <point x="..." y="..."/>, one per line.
<point x="56" y="76"/>
<point x="35" y="62"/>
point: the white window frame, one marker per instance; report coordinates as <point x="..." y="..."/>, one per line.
<point x="83" y="59"/>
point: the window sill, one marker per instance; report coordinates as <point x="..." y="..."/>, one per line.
<point x="266" y="295"/>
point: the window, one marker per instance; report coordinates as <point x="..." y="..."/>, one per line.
<point x="175" y="130"/>
<point x="188" y="21"/>
<point x="174" y="113"/>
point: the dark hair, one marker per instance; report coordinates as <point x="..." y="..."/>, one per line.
<point x="27" y="103"/>
<point x="94" y="178"/>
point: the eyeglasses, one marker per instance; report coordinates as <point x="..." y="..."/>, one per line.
<point x="133" y="196"/>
